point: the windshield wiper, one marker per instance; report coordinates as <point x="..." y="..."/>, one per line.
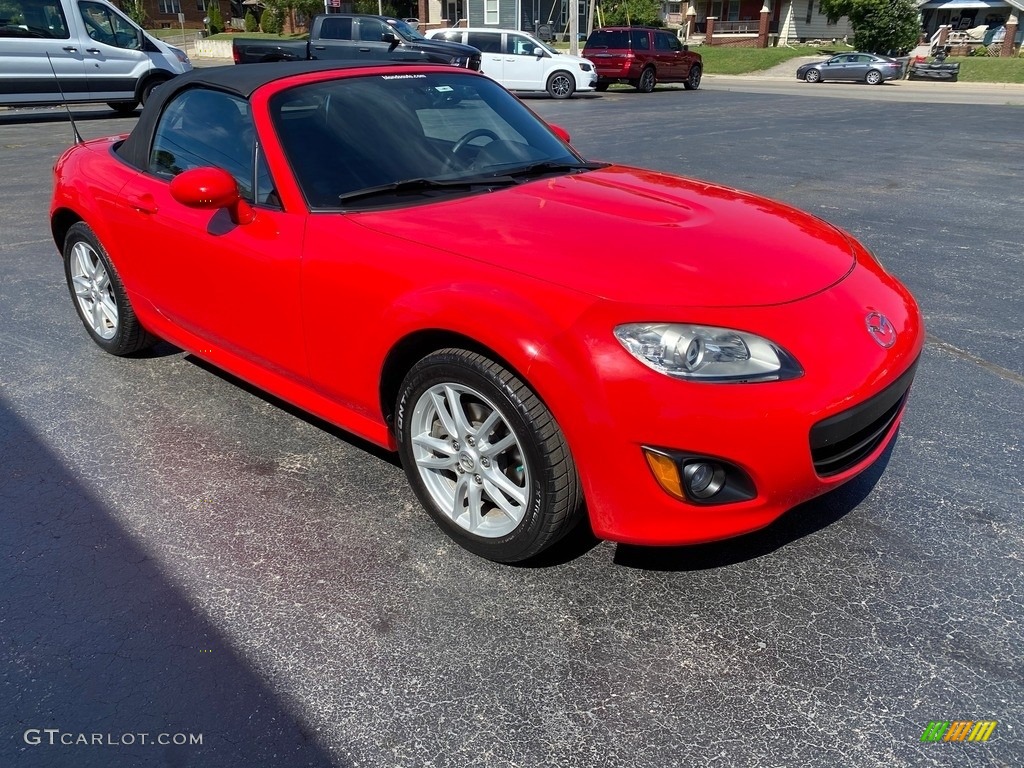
<point x="553" y="166"/>
<point x="413" y="186"/>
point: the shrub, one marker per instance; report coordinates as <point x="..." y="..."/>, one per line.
<point x="216" y="20"/>
<point x="251" y="25"/>
<point x="269" y="22"/>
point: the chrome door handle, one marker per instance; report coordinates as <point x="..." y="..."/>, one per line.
<point x="70" y="49"/>
<point x="92" y="50"/>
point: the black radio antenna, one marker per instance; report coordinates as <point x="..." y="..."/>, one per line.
<point x="64" y="101"/>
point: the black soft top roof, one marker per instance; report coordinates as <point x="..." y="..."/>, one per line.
<point x="241" y="80"/>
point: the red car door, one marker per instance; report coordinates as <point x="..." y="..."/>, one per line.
<point x="235" y="286"/>
<point x="669" y="53"/>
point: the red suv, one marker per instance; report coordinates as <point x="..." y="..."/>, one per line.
<point x="641" y="57"/>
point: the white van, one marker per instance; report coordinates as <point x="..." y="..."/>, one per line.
<point x="521" y="62"/>
<point x="97" y="53"/>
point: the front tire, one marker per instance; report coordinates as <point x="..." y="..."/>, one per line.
<point x="485" y="456"/>
<point x="561" y="85"/>
<point x="812" y="76"/>
<point x="692" y="82"/>
<point x="647" y="81"/>
<point x="99" y="296"/>
<point x="148" y="87"/>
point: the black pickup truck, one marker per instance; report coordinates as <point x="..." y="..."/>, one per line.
<point x="357" y="36"/>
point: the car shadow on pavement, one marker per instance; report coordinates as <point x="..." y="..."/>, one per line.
<point x="354" y="440"/>
<point x="798" y="522"/>
<point x="100" y="645"/>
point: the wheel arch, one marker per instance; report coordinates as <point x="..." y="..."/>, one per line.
<point x="417" y="345"/>
<point x="560" y="71"/>
<point x="148" y="82"/>
<point x="61" y="220"/>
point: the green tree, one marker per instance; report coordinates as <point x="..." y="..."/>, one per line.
<point x="270" y="21"/>
<point x="879" y="26"/>
<point x="251" y="25"/>
<point x="646" y="13"/>
<point x="370" y="6"/>
<point x="216" y="20"/>
<point x="136" y="10"/>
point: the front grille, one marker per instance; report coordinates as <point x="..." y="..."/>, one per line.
<point x="846" y="439"/>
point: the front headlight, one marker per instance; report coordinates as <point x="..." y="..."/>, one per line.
<point x="585" y="67"/>
<point x="179" y="54"/>
<point x="705" y="353"/>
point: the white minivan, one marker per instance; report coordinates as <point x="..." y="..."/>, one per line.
<point x="521" y="62"/>
<point x="92" y="48"/>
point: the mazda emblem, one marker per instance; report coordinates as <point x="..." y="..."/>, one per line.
<point x="881" y="329"/>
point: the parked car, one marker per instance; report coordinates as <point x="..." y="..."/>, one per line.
<point x="867" y="67"/>
<point x="355" y="37"/>
<point x="52" y="51"/>
<point x="521" y="62"/>
<point x="642" y="57"/>
<point x="410" y="253"/>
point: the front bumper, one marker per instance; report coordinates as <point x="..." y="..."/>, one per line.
<point x="763" y="429"/>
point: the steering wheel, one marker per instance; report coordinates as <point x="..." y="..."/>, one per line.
<point x="476" y="133"/>
<point x="98" y="33"/>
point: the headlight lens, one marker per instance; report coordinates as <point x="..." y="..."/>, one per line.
<point x="179" y="54"/>
<point x="706" y="353"/>
<point x="585" y="67"/>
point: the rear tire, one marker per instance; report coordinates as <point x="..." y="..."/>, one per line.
<point x="561" y="85"/>
<point x="647" y="80"/>
<point x="99" y="296"/>
<point x="873" y="77"/>
<point x="485" y="456"/>
<point x="601" y="87"/>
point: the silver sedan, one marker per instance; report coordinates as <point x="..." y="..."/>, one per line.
<point x="860" y="67"/>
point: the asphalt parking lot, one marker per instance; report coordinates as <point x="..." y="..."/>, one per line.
<point x="183" y="557"/>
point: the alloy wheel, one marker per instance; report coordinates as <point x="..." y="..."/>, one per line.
<point x="470" y="460"/>
<point x="93" y="290"/>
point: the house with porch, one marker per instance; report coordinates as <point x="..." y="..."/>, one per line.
<point x="736" y="21"/>
<point x="994" y="24"/>
<point x="789" y="21"/>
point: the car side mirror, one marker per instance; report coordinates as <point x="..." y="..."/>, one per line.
<point x="388" y="37"/>
<point x="686" y="48"/>
<point x="211" y="189"/>
<point x="560" y="132"/>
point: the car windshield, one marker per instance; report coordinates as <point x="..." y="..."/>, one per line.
<point x="373" y="140"/>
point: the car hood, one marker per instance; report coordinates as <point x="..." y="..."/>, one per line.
<point x="636" y="236"/>
<point x="811" y="64"/>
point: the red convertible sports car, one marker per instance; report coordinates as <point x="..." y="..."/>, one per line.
<point x="408" y="252"/>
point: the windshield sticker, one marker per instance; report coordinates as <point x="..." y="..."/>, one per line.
<point x="401" y="77"/>
<point x="444" y="88"/>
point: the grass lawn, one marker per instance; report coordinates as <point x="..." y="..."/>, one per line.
<point x="981" y="69"/>
<point x="719" y="60"/>
<point x="228" y="36"/>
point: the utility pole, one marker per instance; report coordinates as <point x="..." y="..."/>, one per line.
<point x="574" y="27"/>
